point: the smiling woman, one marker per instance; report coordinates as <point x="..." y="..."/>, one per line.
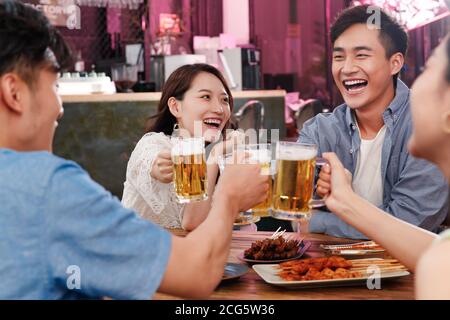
<point x="178" y="84"/>
<point x="197" y="100"/>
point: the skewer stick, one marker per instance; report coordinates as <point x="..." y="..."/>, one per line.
<point x="374" y="260"/>
<point x="398" y="268"/>
<point x="273" y="235"/>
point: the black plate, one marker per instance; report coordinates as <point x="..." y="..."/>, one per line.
<point x="234" y="270"/>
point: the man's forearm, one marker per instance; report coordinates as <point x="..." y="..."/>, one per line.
<point x="217" y="228"/>
<point x="197" y="261"/>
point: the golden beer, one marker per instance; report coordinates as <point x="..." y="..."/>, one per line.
<point x="261" y="154"/>
<point x="244" y="218"/>
<point x="262" y="209"/>
<point x="294" y="181"/>
<point x="189" y="172"/>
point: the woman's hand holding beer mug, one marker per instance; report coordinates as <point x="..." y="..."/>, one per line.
<point x="339" y="181"/>
<point x="324" y="183"/>
<point x="162" y="168"/>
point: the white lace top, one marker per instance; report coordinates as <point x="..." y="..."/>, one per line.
<point x="152" y="199"/>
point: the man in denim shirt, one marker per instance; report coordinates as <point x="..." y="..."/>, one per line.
<point x="369" y="133"/>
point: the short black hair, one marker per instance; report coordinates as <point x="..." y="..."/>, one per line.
<point x="28" y="42"/>
<point x="393" y="35"/>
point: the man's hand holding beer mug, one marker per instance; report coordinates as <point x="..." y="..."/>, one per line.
<point x="249" y="186"/>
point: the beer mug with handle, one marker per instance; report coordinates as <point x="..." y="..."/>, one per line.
<point x="189" y="169"/>
<point x="261" y="154"/>
<point x="244" y="218"/>
<point x="294" y="181"/>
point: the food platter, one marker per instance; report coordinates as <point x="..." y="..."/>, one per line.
<point x="382" y="268"/>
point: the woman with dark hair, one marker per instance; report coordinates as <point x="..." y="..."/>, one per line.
<point x="195" y="99"/>
<point x="420" y="250"/>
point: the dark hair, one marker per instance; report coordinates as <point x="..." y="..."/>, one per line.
<point x="176" y="86"/>
<point x="28" y="42"/>
<point x="393" y="36"/>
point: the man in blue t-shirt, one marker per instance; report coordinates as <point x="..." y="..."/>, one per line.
<point x="61" y="234"/>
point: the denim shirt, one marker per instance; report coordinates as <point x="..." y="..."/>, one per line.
<point x="414" y="190"/>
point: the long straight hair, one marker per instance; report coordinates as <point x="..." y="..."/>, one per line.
<point x="176" y="86"/>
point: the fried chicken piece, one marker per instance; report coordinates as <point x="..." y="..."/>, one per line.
<point x="289" y="264"/>
<point x="318" y="269"/>
<point x="312" y="274"/>
<point x="327" y="273"/>
<point x="301" y="268"/>
<point x="338" y="262"/>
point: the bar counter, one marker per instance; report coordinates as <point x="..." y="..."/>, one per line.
<point x="155" y="96"/>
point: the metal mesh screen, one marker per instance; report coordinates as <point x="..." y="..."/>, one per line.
<point x="104" y="34"/>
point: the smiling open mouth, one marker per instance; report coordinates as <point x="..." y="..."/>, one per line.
<point x="355" y="85"/>
<point x="215" y="123"/>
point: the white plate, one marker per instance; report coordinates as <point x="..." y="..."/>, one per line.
<point x="269" y="274"/>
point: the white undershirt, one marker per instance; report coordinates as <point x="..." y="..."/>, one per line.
<point x="367" y="181"/>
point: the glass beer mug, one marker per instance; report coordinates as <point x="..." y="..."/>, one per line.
<point x="189" y="169"/>
<point x="244" y="218"/>
<point x="294" y="181"/>
<point x="261" y="154"/>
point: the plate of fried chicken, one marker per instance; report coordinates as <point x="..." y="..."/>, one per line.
<point x="328" y="272"/>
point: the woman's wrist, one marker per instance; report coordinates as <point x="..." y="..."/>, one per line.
<point x="345" y="203"/>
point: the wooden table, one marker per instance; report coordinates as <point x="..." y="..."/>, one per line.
<point x="252" y="287"/>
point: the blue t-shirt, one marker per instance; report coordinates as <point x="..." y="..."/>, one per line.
<point x="62" y="236"/>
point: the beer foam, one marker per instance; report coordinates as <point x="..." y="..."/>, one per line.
<point x="260" y="156"/>
<point x="294" y="153"/>
<point x="188" y="147"/>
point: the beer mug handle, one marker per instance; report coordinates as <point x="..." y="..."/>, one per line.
<point x="321" y="161"/>
<point x="317" y="203"/>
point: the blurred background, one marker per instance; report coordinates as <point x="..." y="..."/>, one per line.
<point x="280" y="44"/>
